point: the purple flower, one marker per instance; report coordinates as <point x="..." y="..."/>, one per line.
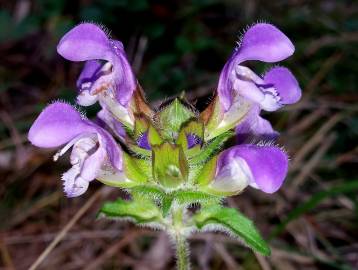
<point x="107" y="73"/>
<point x="278" y="87"/>
<point x="260" y="166"/>
<point x="94" y="151"/>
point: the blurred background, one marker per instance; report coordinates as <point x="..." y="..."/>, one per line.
<point x="311" y="223"/>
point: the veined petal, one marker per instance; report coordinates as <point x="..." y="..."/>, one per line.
<point x="264" y="42"/>
<point x="58" y="124"/>
<point x="267" y="165"/>
<point x="284" y="83"/>
<point x="85" y="42"/>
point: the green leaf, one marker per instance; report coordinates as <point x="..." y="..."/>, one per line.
<point x="140" y="210"/>
<point x="236" y="223"/>
<point x="148" y="192"/>
<point x="312" y="202"/>
<point x="166" y="204"/>
<point x="187" y="197"/>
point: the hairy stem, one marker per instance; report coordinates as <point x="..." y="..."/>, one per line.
<point x="182" y="252"/>
<point x="181" y="244"/>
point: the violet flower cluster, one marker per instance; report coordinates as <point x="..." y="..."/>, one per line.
<point x="128" y="131"/>
<point x="107" y="78"/>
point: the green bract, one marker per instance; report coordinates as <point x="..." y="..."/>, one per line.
<point x="171" y="175"/>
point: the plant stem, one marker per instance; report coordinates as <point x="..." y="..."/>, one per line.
<point x="182" y="252"/>
<point x="181" y="244"/>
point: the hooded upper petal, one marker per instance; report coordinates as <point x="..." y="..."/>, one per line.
<point x="265" y="42"/>
<point x="58" y="124"/>
<point x="267" y="165"/>
<point x="85" y="42"/>
<point x="284" y="83"/>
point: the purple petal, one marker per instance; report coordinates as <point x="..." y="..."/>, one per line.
<point x="93" y="164"/>
<point x="225" y="84"/>
<point x="106" y="120"/>
<point x="85" y="42"/>
<point x="254" y="127"/>
<point x="268" y="164"/>
<point x="107" y="142"/>
<point x="89" y="42"/>
<point x="143" y="142"/>
<point x="192" y="140"/>
<point x="88" y="73"/>
<point x="58" y="124"/>
<point x="125" y="80"/>
<point x="264" y="42"/>
<point x="285" y="84"/>
<point x="74" y="185"/>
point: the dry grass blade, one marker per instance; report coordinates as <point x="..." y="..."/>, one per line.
<point x="225" y="255"/>
<point x="312" y="163"/>
<point x="24" y="214"/>
<point x="5" y="255"/>
<point x="315" y="140"/>
<point x="263" y="262"/>
<point x="129" y="237"/>
<point x="68" y="226"/>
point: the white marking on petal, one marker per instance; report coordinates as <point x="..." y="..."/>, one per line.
<point x="247" y="74"/>
<point x="74" y="185"/>
<point x="85" y="98"/>
<point x="80" y="150"/>
<point x="233" y="177"/>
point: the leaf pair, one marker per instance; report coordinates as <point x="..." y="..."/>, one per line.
<point x="154" y="210"/>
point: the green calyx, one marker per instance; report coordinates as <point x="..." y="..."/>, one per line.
<point x="172" y="161"/>
<point x="169" y="150"/>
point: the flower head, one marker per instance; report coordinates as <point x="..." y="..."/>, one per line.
<point x="174" y="147"/>
<point x="93" y="148"/>
<point x="88" y="42"/>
